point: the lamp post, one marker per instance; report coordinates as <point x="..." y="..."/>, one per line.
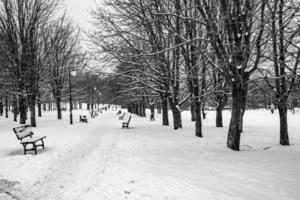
<point x="71" y="73"/>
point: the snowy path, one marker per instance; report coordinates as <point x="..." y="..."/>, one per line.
<point x="77" y="171"/>
<point x="150" y="162"/>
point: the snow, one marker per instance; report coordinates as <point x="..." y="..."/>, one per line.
<point x="100" y="160"/>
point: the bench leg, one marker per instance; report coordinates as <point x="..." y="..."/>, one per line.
<point x="43" y="144"/>
<point x="34" y="148"/>
<point x="24" y="146"/>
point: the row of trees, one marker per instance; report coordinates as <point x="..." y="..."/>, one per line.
<point x="38" y="49"/>
<point x="204" y="53"/>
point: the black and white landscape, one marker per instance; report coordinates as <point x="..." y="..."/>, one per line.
<point x="149" y="99"/>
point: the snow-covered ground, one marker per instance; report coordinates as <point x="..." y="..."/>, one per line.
<point x="100" y="160"/>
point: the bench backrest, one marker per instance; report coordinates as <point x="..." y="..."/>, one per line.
<point x="23" y="131"/>
<point x="129" y="119"/>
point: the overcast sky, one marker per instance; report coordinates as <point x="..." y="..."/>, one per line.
<point x="79" y="11"/>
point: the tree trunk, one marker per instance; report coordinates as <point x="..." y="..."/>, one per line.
<point x="177" y="122"/>
<point x="219" y="116"/>
<point x="6" y="106"/>
<point x="15" y="109"/>
<point x="143" y="108"/>
<point x="1" y="108"/>
<point x="80" y="105"/>
<point x="284" y="136"/>
<point x="31" y="104"/>
<point x="165" y="115"/>
<point x="39" y="107"/>
<point x="23" y="109"/>
<point x="193" y="115"/>
<point x="159" y="108"/>
<point x="32" y="115"/>
<point x="244" y="104"/>
<point x="234" y="133"/>
<point x="140" y="104"/>
<point x="58" y="107"/>
<point x="198" y="120"/>
<point x="152" y="111"/>
<point x="44" y="107"/>
<point x="203" y="111"/>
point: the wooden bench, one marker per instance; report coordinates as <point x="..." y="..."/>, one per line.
<point x="83" y="118"/>
<point x="126" y="124"/>
<point x="122" y="117"/>
<point x="25" y="135"/>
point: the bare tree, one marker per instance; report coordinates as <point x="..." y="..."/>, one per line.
<point x="233" y="50"/>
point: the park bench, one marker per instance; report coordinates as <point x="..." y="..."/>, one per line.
<point x="122" y="116"/>
<point x="83" y="118"/>
<point x="25" y="135"/>
<point x="126" y="123"/>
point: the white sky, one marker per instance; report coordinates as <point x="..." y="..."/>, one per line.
<point x="79" y="11"/>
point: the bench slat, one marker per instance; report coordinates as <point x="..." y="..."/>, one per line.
<point x="32" y="139"/>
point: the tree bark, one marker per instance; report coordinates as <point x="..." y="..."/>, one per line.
<point x="165" y="116"/>
<point x="15" y="109"/>
<point x="244" y="104"/>
<point x="234" y="133"/>
<point x="23" y="109"/>
<point x="143" y="108"/>
<point x="193" y="115"/>
<point x="198" y="120"/>
<point x="203" y="111"/>
<point x="6" y="106"/>
<point x="152" y="111"/>
<point x="1" y="108"/>
<point x="39" y="107"/>
<point x="31" y="103"/>
<point x="58" y="107"/>
<point x="284" y="136"/>
<point x="219" y="116"/>
<point x="177" y="122"/>
<point x="159" y="108"/>
<point x="32" y="115"/>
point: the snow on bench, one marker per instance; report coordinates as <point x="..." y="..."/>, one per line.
<point x="83" y="118"/>
<point x="29" y="142"/>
